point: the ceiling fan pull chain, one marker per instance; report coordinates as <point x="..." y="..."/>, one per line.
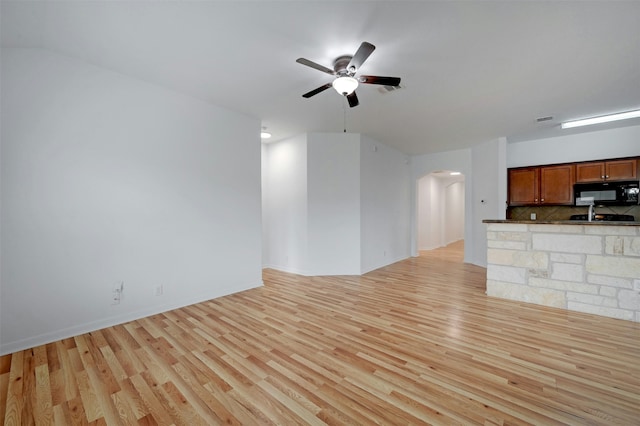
<point x="344" y="112"/>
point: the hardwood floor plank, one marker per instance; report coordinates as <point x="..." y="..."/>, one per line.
<point x="75" y="362"/>
<point x="416" y="342"/>
<point x="5" y="371"/>
<point x="90" y="403"/>
<point x="44" y="406"/>
<point x="154" y="406"/>
<point x="116" y="372"/>
<point x="29" y="382"/>
<point x="60" y="417"/>
<point x="342" y="409"/>
<point x="125" y="411"/>
<point x="129" y="396"/>
<point x="215" y="409"/>
<point x="179" y="407"/>
<point x="64" y="385"/>
<point x="74" y="410"/>
<point x="15" y="392"/>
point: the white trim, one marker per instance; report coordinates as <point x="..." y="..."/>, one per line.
<point x="42" y="339"/>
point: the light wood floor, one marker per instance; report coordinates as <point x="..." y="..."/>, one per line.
<point x="417" y="342"/>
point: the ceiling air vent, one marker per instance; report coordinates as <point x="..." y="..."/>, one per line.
<point x="542" y="119"/>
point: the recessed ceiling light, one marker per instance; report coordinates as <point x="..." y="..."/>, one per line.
<point x="455" y="173"/>
<point x="601" y="119"/>
<point x="264" y="134"/>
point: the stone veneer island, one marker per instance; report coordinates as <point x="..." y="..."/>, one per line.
<point x="591" y="267"/>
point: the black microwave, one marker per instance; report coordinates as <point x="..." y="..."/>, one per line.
<point x="622" y="193"/>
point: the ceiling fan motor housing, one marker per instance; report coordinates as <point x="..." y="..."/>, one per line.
<point x="340" y="66"/>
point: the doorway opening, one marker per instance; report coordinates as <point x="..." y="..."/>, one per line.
<point x="441" y="210"/>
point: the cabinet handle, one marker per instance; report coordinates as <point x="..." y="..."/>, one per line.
<point x="607" y="176"/>
<point x="602" y="177"/>
<point x="542" y="199"/>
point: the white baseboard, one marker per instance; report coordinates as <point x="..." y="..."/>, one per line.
<point x="42" y="339"/>
<point x="382" y="265"/>
<point x="288" y="270"/>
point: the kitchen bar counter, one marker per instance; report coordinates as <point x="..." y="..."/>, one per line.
<point x="566" y="222"/>
<point x="591" y="267"/>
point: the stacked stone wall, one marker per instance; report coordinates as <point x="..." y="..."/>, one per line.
<point x="590" y="268"/>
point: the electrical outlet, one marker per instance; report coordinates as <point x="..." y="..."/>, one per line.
<point x="116" y="292"/>
<point x="533" y="216"/>
<point x="158" y="290"/>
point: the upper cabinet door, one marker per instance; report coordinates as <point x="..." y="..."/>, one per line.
<point x="523" y="186"/>
<point x="590" y="172"/>
<point x="621" y="170"/>
<point x="599" y="171"/>
<point x="556" y="184"/>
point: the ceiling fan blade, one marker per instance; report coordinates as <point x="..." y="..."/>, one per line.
<point x="353" y="99"/>
<point x="374" y="79"/>
<point x="361" y="55"/>
<point x="316" y="91"/>
<point x="312" y="64"/>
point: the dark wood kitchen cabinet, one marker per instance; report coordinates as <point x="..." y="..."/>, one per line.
<point x="524" y="186"/>
<point x="599" y="171"/>
<point x="544" y="185"/>
<point x="556" y="184"/>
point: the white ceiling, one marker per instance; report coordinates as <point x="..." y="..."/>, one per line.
<point x="471" y="71"/>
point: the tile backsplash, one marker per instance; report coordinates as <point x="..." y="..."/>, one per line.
<point x="564" y="212"/>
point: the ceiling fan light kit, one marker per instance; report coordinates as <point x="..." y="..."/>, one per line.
<point x="345" y="85"/>
<point x="344" y="69"/>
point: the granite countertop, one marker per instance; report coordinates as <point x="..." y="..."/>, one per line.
<point x="565" y="222"/>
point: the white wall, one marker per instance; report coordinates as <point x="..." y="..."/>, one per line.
<point x="106" y="179"/>
<point x="453" y="212"/>
<point x="429" y="216"/>
<point x="489" y="192"/>
<point x="596" y="145"/>
<point x="285" y="205"/>
<point x="385" y="196"/>
<point x="357" y="197"/>
<point x="333" y="212"/>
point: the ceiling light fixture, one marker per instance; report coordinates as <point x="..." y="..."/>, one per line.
<point x="455" y="173"/>
<point x="601" y="119"/>
<point x="264" y="134"/>
<point x="345" y="85"/>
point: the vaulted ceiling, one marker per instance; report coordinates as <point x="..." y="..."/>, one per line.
<point x="471" y="71"/>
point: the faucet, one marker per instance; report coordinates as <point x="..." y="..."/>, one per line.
<point x="592" y="213"/>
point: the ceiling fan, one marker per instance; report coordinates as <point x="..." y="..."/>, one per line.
<point x="345" y="68"/>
